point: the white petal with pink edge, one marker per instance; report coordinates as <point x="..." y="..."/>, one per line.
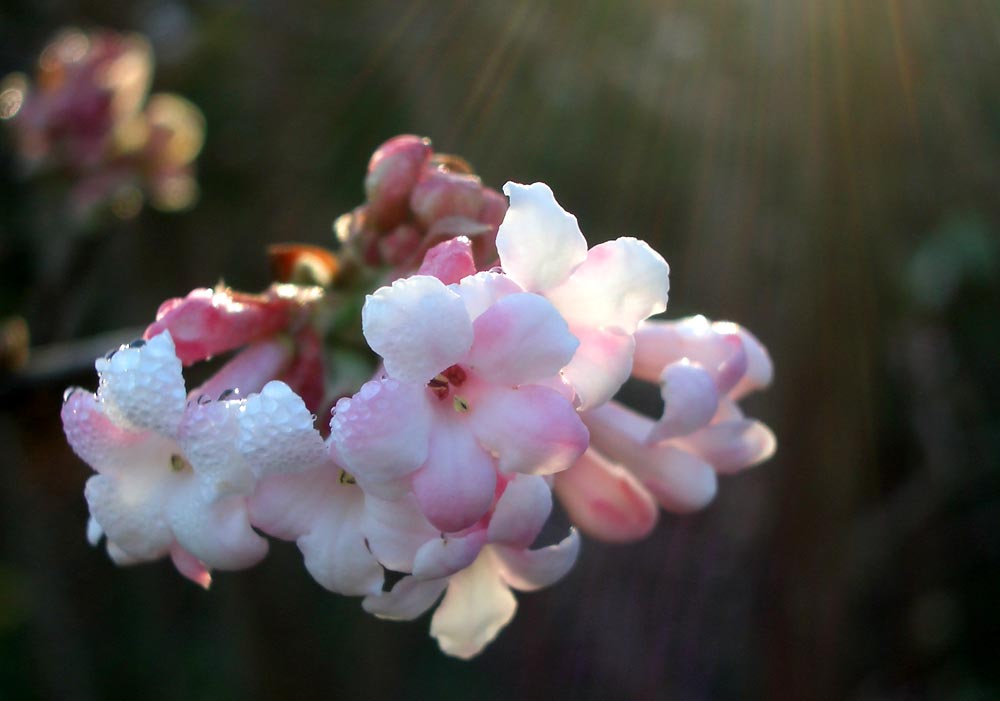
<point x="600" y="366"/>
<point x="528" y="570"/>
<point x="521" y="511"/>
<point x="539" y="242"/>
<point x="418" y="326"/>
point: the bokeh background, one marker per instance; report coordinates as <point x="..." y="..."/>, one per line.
<point x="826" y="172"/>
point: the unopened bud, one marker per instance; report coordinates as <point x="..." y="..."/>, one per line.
<point x="393" y="171"/>
<point x="441" y="194"/>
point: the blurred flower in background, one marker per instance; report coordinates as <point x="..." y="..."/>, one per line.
<point x="85" y="121"/>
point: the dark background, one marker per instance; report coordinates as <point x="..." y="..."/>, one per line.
<point x="826" y="172"/>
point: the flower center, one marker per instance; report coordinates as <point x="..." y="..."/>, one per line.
<point x="178" y="463"/>
<point x="443" y="384"/>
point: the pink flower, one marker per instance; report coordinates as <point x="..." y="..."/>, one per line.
<point x="478" y="568"/>
<point x="603" y="293"/>
<point x="208" y="322"/>
<point x="174" y="473"/>
<point x="462" y="397"/>
<point x="635" y="462"/>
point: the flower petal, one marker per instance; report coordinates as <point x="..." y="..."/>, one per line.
<point x="98" y="441"/>
<point x="207" y="436"/>
<point x="449" y="261"/>
<point x="520" y="339"/>
<point x="277" y="432"/>
<point x="528" y="570"/>
<point x="481" y="291"/>
<point x="760" y="369"/>
<point x="680" y="481"/>
<point x="605" y="500"/>
<point x="732" y="446"/>
<point x="396" y="530"/>
<point x="621" y="283"/>
<point x="446" y="555"/>
<point x="217" y="532"/>
<point x="531" y="429"/>
<point x="131" y="518"/>
<point x="418" y="326"/>
<point x="600" y="366"/>
<point x="407" y="600"/>
<point x="690" y="401"/>
<point x="455" y="487"/>
<point x="476" y="606"/>
<point x="539" y="242"/>
<point x="191" y="567"/>
<point x="521" y="511"/>
<point x="141" y="385"/>
<point x="382" y="434"/>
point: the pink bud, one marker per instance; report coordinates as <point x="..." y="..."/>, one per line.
<point x="449" y="261"/>
<point x="306" y="375"/>
<point x="400" y="245"/>
<point x="393" y="171"/>
<point x="441" y="194"/>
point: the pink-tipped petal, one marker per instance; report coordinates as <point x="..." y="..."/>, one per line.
<point x="446" y="555"/>
<point x="418" y="326"/>
<point x="191" y="567"/>
<point x="449" y="261"/>
<point x="528" y="570"/>
<point x="99" y="442"/>
<point x="690" y="401"/>
<point x="600" y="366"/>
<point x="476" y="606"/>
<point x="539" y="242"/>
<point x="410" y="598"/>
<point x="531" y="429"/>
<point x="621" y="283"/>
<point x="521" y="511"/>
<point x="732" y="446"/>
<point x="455" y="487"/>
<point x="519" y="340"/>
<point x="606" y="501"/>
<point x="141" y="385"/>
<point x="382" y="434"/>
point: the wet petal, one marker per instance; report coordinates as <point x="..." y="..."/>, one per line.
<point x="98" y="441"/>
<point x="605" y="500"/>
<point x="621" y="283"/>
<point x="277" y="433"/>
<point x="396" y="530"/>
<point x="527" y="570"/>
<point x="141" y="385"/>
<point x="131" y="518"/>
<point x="382" y="434"/>
<point x="531" y="429"/>
<point x="539" y="242"/>
<point x="449" y="261"/>
<point x="481" y="291"/>
<point x="217" y="532"/>
<point x="207" y="437"/>
<point x="418" y="326"/>
<point x="476" y="606"/>
<point x="520" y="339"/>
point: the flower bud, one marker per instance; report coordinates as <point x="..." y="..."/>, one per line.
<point x="441" y="194"/>
<point x="393" y="171"/>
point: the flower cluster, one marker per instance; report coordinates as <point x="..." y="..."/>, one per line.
<point x="86" y="118"/>
<point x="416" y="198"/>
<point x="492" y="392"/>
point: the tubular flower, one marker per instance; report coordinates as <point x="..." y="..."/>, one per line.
<point x="603" y="293"/>
<point x="633" y="462"/>
<point x="173" y="472"/>
<point x="461" y="398"/>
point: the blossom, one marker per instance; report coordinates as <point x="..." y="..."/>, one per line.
<point x="477" y="569"/>
<point x="603" y="293"/>
<point x="86" y="118"/>
<point x="634" y="462"/>
<point x="173" y="473"/>
<point x="461" y="397"/>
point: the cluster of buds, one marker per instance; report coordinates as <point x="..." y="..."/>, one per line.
<point x="493" y="392"/>
<point x="86" y="119"/>
<point x="416" y="198"/>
